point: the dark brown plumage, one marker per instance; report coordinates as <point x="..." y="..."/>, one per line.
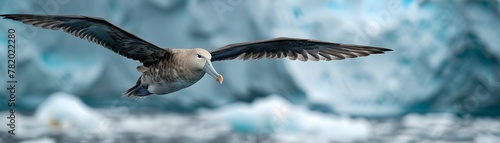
<point x="293" y="48"/>
<point x="99" y="31"/>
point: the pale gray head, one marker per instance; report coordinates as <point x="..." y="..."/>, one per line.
<point x="199" y="59"/>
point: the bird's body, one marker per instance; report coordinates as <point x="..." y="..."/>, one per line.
<point x="166" y="70"/>
<point x="169" y="74"/>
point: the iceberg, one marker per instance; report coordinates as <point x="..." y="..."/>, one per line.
<point x="445" y="54"/>
<point x="63" y="113"/>
<point x="275" y="118"/>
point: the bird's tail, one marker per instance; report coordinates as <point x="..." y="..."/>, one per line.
<point x="138" y="90"/>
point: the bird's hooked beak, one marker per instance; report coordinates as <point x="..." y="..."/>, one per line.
<point x="208" y="68"/>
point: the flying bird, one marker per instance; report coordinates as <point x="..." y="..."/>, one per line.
<point x="166" y="70"/>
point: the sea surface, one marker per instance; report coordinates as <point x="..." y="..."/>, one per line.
<point x="169" y="127"/>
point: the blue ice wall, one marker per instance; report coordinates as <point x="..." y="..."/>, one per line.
<point x="445" y="58"/>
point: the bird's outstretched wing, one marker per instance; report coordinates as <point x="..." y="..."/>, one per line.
<point x="293" y="48"/>
<point x="99" y="31"/>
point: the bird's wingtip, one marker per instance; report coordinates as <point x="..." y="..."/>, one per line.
<point x="7" y="15"/>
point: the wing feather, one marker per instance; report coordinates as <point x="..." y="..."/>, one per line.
<point x="293" y="48"/>
<point x="99" y="31"/>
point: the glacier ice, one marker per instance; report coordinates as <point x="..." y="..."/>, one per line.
<point x="445" y="54"/>
<point x="65" y="113"/>
<point x="275" y="117"/>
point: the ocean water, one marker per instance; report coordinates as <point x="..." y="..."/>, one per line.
<point x="171" y="127"/>
<point x="272" y="119"/>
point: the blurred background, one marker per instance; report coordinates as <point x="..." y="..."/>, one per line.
<point x="440" y="84"/>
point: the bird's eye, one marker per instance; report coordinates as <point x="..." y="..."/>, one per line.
<point x="199" y="56"/>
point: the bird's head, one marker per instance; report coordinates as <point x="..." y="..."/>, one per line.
<point x="200" y="60"/>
